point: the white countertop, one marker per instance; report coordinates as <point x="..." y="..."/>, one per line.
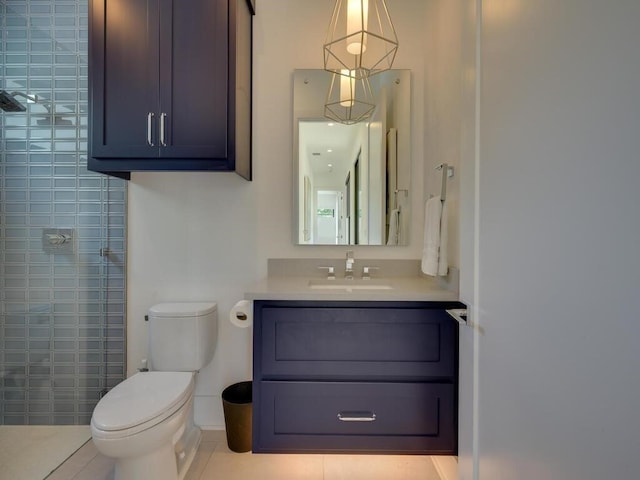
<point x="402" y="289"/>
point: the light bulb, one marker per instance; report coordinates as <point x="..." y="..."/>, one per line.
<point x="357" y="19"/>
<point x="347" y="87"/>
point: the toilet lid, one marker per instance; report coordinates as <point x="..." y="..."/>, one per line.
<point x="141" y="398"/>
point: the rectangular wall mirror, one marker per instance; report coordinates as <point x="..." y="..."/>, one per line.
<point x="352" y="181"/>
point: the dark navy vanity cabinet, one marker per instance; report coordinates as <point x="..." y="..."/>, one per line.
<point x="170" y="85"/>
<point x="355" y="377"/>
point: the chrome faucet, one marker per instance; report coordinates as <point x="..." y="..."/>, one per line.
<point x="348" y="271"/>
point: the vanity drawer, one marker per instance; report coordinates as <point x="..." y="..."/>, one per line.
<point x="354" y="342"/>
<point x="355" y="417"/>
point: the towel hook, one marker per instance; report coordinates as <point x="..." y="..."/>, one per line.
<point x="448" y="168"/>
<point x="395" y="196"/>
<point x="406" y="192"/>
<point x="447" y="172"/>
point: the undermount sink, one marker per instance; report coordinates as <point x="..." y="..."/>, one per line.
<point x="349" y="285"/>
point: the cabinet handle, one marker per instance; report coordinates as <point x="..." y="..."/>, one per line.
<point x="149" y="128"/>
<point x="357" y="417"/>
<point x="162" y="139"/>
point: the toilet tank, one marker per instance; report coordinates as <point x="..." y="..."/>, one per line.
<point x="182" y="335"/>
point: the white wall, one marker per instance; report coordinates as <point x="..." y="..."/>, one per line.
<point x="450" y="138"/>
<point x="198" y="236"/>
<point x="443" y="107"/>
<point x="557" y="244"/>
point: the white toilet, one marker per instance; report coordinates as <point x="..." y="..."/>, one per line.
<point x="146" y="422"/>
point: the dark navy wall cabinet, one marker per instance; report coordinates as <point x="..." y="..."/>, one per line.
<point x="170" y="85"/>
<point x="355" y="377"/>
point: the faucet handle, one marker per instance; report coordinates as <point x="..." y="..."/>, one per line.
<point x="331" y="272"/>
<point x="350" y="260"/>
<point x="366" y="272"/>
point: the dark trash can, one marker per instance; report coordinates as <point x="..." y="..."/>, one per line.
<point x="236" y="402"/>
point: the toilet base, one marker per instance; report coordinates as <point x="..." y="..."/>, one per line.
<point x="186" y="450"/>
<point x="170" y="462"/>
<point x="159" y="465"/>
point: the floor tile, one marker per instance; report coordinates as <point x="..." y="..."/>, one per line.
<point x="50" y="445"/>
<point x="214" y="460"/>
<point x="200" y="460"/>
<point x="75" y="463"/>
<point x="247" y="466"/>
<point x="99" y="468"/>
<point x="421" y="468"/>
<point x="378" y="467"/>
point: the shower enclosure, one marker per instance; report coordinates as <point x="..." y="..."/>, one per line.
<point x="62" y="228"/>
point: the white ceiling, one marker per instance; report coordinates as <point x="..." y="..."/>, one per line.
<point x="318" y="136"/>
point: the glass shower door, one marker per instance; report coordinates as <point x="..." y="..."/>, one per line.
<point x="62" y="228"/>
<point x="63" y="308"/>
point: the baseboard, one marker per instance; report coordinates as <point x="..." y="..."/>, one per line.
<point x="447" y="467"/>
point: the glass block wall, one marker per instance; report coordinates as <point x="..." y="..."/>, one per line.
<point x="62" y="307"/>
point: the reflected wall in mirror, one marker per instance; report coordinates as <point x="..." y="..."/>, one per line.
<point x="352" y="181"/>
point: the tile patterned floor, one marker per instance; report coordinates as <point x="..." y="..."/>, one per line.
<point x="214" y="460"/>
<point x="30" y="452"/>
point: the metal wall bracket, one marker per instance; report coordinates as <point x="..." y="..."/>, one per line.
<point x="459" y="315"/>
<point x="57" y="240"/>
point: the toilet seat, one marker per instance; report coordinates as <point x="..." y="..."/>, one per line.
<point x="140" y="402"/>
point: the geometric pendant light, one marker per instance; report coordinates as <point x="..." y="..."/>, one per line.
<point x="361" y="38"/>
<point x="349" y="100"/>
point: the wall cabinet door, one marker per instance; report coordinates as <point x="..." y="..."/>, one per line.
<point x="164" y="83"/>
<point x="124" y="81"/>
<point x="194" y="71"/>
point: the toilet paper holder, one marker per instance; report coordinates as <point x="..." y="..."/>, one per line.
<point x="241" y="314"/>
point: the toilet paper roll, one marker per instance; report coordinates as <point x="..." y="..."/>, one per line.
<point x="242" y="314"/>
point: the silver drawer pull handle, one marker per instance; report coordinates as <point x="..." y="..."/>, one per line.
<point x="149" y="128"/>
<point x="162" y="132"/>
<point x="357" y="417"/>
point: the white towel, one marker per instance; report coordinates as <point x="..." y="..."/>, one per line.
<point x="443" y="264"/>
<point x="394" y="223"/>
<point x="434" y="253"/>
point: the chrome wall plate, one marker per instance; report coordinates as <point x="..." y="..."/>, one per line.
<point x="58" y="240"/>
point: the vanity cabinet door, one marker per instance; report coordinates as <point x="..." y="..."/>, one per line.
<point x="170" y="85"/>
<point x="355" y="377"/>
<point x="356" y="417"/>
<point x="401" y="342"/>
